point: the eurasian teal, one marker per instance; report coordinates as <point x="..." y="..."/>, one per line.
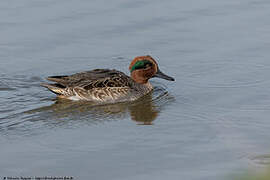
<point x="108" y="86"/>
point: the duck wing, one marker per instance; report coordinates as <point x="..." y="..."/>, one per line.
<point x="97" y="78"/>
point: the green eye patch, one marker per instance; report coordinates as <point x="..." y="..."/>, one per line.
<point x="141" y="65"/>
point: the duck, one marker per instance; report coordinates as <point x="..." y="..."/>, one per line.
<point x="108" y="85"/>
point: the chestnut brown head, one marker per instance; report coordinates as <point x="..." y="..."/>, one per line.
<point x="142" y="68"/>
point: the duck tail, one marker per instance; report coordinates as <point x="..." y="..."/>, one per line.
<point x="55" y="88"/>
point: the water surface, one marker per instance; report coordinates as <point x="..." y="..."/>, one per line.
<point x="211" y="122"/>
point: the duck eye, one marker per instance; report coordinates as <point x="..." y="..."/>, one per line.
<point x="143" y="64"/>
<point x="148" y="65"/>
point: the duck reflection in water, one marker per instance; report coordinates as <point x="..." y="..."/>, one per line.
<point x="143" y="111"/>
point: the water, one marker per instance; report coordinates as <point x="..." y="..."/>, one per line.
<point x="211" y="122"/>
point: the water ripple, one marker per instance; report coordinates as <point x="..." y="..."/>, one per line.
<point x="22" y="116"/>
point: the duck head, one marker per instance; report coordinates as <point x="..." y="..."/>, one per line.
<point x="142" y="68"/>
